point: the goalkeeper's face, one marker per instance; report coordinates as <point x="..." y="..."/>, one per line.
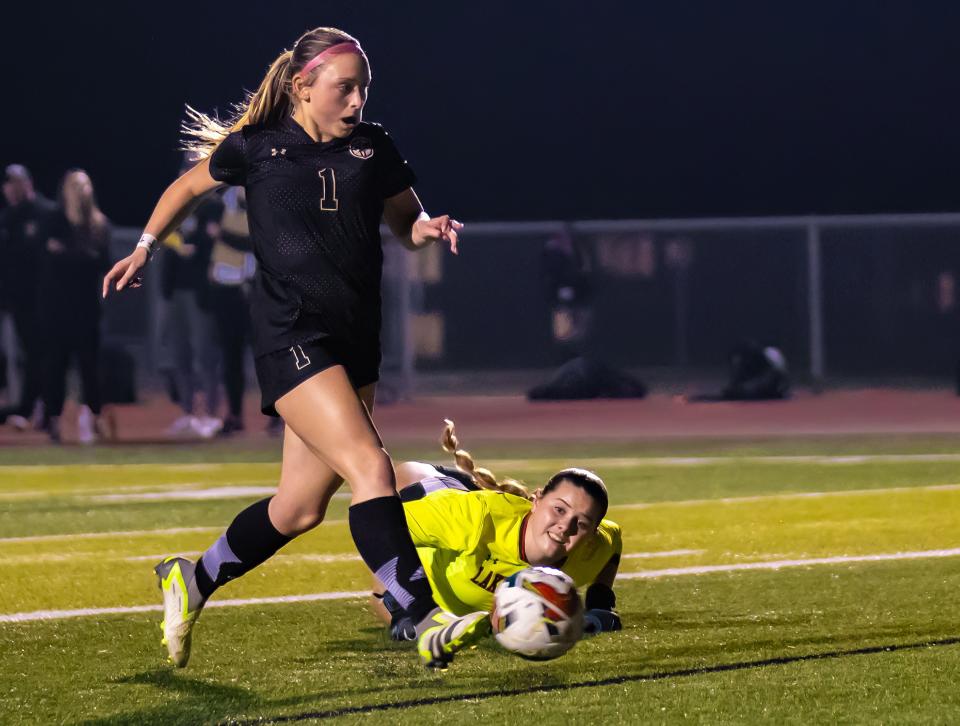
<point x="559" y="521"/>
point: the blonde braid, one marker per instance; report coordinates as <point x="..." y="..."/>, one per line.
<point x="482" y="477"/>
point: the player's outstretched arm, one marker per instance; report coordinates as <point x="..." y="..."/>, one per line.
<point x="600" y="616"/>
<point x="404" y="214"/>
<point x="175" y="204"/>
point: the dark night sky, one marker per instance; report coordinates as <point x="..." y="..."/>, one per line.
<point x="528" y="110"/>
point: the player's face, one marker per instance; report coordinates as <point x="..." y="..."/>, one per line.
<point x="559" y="521"/>
<point x="337" y="95"/>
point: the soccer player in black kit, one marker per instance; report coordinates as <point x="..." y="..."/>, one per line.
<point x="318" y="182"/>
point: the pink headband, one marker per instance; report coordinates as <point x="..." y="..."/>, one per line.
<point x="345" y="47"/>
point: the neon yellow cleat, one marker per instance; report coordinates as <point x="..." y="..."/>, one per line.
<point x="442" y="634"/>
<point x="181" y="607"/>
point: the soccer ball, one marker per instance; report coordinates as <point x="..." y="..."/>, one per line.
<point x="537" y="613"/>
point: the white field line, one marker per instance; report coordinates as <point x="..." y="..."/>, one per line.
<point x="597" y="461"/>
<point x="230" y="492"/>
<point x="131" y="533"/>
<point x="649" y="574"/>
<point x="89" y="612"/>
<point x="793" y="495"/>
<point x="641" y="505"/>
<point x="107" y="535"/>
<point x="600" y="462"/>
<point x="664" y="553"/>
<point x="781" y="564"/>
<point x="128" y="488"/>
<point x="168" y="492"/>
<point x="48" y="468"/>
<point x="281" y="557"/>
<point x="594" y="462"/>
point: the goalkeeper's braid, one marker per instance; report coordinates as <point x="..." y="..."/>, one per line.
<point x="482" y="477"/>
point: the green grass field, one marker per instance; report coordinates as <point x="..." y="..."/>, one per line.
<point x="762" y="582"/>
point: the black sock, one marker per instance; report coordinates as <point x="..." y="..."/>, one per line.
<point x="250" y="540"/>
<point x="380" y="532"/>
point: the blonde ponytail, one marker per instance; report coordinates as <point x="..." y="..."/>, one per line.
<point x="482" y="477"/>
<point x="268" y="104"/>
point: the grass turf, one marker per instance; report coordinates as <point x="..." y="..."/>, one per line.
<point x="850" y="642"/>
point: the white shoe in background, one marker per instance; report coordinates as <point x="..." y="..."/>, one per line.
<point x="207" y="427"/>
<point x="86" y="433"/>
<point x="18" y="422"/>
<point x="183" y="426"/>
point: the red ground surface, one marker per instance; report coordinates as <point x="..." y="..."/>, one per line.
<point x="855" y="411"/>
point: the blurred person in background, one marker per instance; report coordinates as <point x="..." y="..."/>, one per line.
<point x="75" y="256"/>
<point x="21" y="247"/>
<point x="189" y="339"/>
<point x="567" y="280"/>
<point x="232" y="266"/>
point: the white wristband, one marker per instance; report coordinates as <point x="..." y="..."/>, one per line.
<point x="149" y="243"/>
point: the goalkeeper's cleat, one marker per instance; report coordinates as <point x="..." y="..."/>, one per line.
<point x="182" y="604"/>
<point x="442" y="634"/>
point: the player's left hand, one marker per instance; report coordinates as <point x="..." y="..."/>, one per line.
<point x="436" y="228"/>
<point x="402" y="626"/>
<point x="600" y="621"/>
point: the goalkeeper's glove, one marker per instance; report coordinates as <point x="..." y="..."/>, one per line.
<point x="600" y="621"/>
<point x="402" y="626"/>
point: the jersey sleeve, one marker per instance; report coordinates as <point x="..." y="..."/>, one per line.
<point x="588" y="561"/>
<point x="615" y="537"/>
<point x="393" y="172"/>
<point x="447" y="519"/>
<point x="228" y="162"/>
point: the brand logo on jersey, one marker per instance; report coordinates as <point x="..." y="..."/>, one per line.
<point x="274" y="152"/>
<point x="361" y="148"/>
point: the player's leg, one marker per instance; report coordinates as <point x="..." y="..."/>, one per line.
<point x="411" y="472"/>
<point x="254" y="535"/>
<point x="328" y="416"/>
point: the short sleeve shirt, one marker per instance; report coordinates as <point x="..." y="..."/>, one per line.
<point x="469" y="541"/>
<point x="314" y="210"/>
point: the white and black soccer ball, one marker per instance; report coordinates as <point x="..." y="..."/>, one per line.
<point x="537" y="613"/>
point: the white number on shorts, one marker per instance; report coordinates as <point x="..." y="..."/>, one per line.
<point x="302" y="360"/>
<point x="329" y="202"/>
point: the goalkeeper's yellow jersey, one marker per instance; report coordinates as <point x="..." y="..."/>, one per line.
<point x="470" y="541"/>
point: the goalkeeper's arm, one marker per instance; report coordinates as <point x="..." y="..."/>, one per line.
<point x="600" y="615"/>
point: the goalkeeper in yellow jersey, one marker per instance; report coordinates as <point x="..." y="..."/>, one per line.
<point x="472" y="531"/>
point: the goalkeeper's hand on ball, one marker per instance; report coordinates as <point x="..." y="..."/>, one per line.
<point x="598" y="621"/>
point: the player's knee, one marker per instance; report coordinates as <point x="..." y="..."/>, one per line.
<point x="293" y="518"/>
<point x="370" y="471"/>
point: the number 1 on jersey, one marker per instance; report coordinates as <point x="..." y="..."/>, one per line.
<point x="329" y="202"/>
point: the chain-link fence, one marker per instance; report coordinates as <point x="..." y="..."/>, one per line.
<point x="840" y="296"/>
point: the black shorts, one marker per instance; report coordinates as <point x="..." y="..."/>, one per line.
<point x="283" y="370"/>
<point x="448" y="479"/>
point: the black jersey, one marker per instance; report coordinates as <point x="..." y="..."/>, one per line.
<point x="314" y="211"/>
